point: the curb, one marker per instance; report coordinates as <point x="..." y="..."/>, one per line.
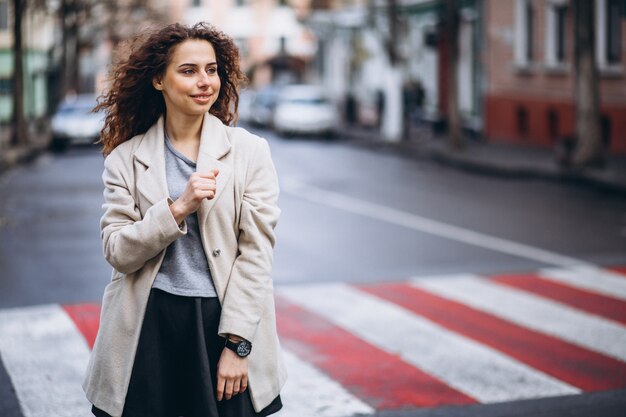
<point x="483" y="167"/>
<point x="16" y="156"/>
<point x="527" y="172"/>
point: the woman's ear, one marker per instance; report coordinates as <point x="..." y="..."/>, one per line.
<point x="156" y="83"/>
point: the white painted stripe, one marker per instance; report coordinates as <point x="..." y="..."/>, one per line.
<point x="310" y="393"/>
<point x="45" y="357"/>
<point x="593" y="279"/>
<point x="424" y="224"/>
<point x="470" y="367"/>
<point x="537" y="313"/>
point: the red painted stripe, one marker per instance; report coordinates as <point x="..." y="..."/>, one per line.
<point x="381" y="379"/>
<point x="86" y="317"/>
<point x="601" y="305"/>
<point x="579" y="367"/>
<point x="619" y="269"/>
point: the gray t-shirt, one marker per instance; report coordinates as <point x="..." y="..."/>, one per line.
<point x="185" y="270"/>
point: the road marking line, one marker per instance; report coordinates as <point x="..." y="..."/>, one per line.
<point x="589" y="331"/>
<point x="46" y="357"/>
<point x="86" y="318"/>
<point x="567" y="362"/>
<point x="594" y="279"/>
<point x="470" y="367"/>
<point x="378" y="377"/>
<point x="310" y="393"/>
<point x="424" y="224"/>
<point x="581" y="298"/>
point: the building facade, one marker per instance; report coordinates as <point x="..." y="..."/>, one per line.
<point x="353" y="58"/>
<point x="531" y="77"/>
<point x="275" y="46"/>
<point x="38" y="37"/>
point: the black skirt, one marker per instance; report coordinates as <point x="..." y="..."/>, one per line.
<point x="175" y="368"/>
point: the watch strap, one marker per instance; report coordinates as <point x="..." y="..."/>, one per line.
<point x="241" y="348"/>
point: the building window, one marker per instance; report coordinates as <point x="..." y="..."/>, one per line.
<point x="524" y="32"/>
<point x="561" y="20"/>
<point x="553" y="125"/>
<point x="523" y="122"/>
<point x="4" y="15"/>
<point x="609" y="15"/>
<point x="556" y="33"/>
<point x="6" y="86"/>
<point x="613" y="31"/>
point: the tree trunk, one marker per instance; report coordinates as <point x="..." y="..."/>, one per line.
<point x="20" y="131"/>
<point x="69" y="58"/>
<point x="63" y="18"/>
<point x="589" y="149"/>
<point x="74" y="62"/>
<point x="393" y="113"/>
<point x="452" y="32"/>
<point x="393" y="121"/>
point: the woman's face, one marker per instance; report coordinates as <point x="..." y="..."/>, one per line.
<point x="190" y="84"/>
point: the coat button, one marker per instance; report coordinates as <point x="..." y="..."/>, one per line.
<point x="217" y="252"/>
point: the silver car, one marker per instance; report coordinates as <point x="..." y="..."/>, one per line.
<point x="304" y="109"/>
<point x="75" y="124"/>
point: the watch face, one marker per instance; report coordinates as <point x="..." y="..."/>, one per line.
<point x="243" y="349"/>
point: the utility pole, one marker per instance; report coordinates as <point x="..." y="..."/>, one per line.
<point x="19" y="131"/>
<point x="452" y="22"/>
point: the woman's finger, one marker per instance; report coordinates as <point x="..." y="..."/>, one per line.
<point x="244" y="384"/>
<point x="221" y="383"/>
<point x="228" y="390"/>
<point x="236" y="386"/>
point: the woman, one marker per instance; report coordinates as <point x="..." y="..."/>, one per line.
<point x="188" y="321"/>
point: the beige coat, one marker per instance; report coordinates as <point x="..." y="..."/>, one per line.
<point x="237" y="231"/>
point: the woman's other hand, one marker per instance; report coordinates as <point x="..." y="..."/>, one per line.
<point x="199" y="187"/>
<point x="232" y="375"/>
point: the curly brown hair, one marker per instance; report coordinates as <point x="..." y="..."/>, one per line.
<point x="132" y="104"/>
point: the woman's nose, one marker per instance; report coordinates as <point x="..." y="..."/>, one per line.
<point x="204" y="79"/>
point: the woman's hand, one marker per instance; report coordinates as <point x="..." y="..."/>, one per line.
<point x="199" y="187"/>
<point x="232" y="375"/>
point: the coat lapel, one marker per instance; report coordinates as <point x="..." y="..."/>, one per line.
<point x="150" y="156"/>
<point x="214" y="145"/>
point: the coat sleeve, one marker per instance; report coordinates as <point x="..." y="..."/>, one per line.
<point x="250" y="282"/>
<point x="129" y="240"/>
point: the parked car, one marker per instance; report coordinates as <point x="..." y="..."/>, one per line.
<point x="246" y="98"/>
<point x="263" y="105"/>
<point x="304" y="109"/>
<point x="75" y="124"/>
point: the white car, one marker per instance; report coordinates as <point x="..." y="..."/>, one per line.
<point x="246" y="98"/>
<point x="304" y="109"/>
<point x="75" y="124"/>
<point x="263" y="105"/>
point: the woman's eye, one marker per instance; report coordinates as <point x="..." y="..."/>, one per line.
<point x="212" y="70"/>
<point x="188" y="71"/>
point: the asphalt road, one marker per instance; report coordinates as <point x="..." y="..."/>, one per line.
<point x="349" y="215"/>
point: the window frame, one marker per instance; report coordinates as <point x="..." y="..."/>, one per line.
<point x="605" y="19"/>
<point x="524" y="46"/>
<point x="4" y="15"/>
<point x="556" y="56"/>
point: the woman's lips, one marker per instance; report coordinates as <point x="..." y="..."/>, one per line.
<point x="201" y="98"/>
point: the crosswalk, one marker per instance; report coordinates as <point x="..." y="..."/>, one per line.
<point x="356" y="349"/>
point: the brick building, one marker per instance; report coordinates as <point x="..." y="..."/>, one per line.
<point x="529" y="63"/>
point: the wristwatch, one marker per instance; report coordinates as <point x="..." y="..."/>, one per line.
<point x="242" y="348"/>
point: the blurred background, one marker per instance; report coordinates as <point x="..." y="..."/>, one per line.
<point x="453" y="192"/>
<point x="505" y="71"/>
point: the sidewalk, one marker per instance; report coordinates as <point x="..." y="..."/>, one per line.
<point x="499" y="159"/>
<point x="13" y="155"/>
